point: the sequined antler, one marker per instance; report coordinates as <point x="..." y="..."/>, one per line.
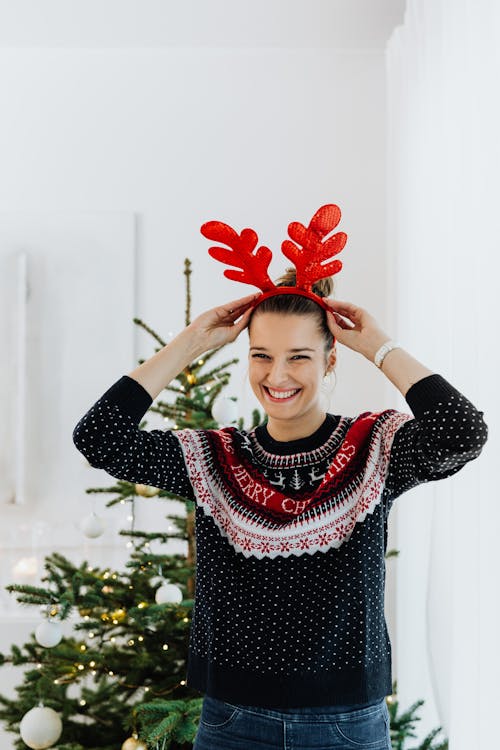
<point x="253" y="265"/>
<point x="311" y="252"/>
<point x="308" y="255"/>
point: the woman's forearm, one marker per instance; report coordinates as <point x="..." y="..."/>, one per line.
<point x="402" y="369"/>
<point x="210" y="330"/>
<point x="159" y="370"/>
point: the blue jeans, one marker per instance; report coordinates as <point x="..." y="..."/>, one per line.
<point x="231" y="726"/>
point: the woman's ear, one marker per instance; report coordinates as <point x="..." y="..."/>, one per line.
<point x="331" y="360"/>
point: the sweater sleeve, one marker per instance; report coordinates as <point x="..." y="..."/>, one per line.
<point x="447" y="431"/>
<point x="109" y="437"/>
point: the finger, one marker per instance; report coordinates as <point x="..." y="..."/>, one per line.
<point x="233" y="315"/>
<point x="340" y="322"/>
<point x="242" y="322"/>
<point x="339" y="302"/>
<point x="348" y="308"/>
<point x="237" y="326"/>
<point x="344" y="324"/>
<point x="241" y="302"/>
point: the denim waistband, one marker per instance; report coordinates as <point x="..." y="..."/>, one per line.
<point x="309" y="710"/>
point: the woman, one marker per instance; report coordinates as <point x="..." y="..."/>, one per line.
<point x="288" y="639"/>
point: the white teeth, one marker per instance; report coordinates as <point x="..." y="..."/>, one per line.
<point x="283" y="394"/>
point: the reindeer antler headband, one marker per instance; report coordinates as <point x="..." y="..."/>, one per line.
<point x="309" y="255"/>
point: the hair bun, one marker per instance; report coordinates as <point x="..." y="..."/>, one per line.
<point x="322" y="287"/>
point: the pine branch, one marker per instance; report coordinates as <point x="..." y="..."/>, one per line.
<point x="124" y="488"/>
<point x="155" y="335"/>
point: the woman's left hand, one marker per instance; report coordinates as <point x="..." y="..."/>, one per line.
<point x="355" y="327"/>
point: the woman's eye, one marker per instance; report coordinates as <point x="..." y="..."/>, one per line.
<point x="260" y="355"/>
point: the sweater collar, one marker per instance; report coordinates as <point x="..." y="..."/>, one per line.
<point x="300" y="445"/>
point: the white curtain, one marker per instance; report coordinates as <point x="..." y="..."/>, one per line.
<point x="443" y="73"/>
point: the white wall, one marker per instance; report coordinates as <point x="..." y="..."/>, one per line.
<point x="444" y="162"/>
<point x="255" y="136"/>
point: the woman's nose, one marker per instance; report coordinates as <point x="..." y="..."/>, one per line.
<point x="278" y="373"/>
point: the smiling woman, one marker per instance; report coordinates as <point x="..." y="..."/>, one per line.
<point x="288" y="636"/>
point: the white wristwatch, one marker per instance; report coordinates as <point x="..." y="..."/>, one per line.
<point x="385" y="349"/>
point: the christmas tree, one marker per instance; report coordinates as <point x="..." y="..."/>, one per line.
<point x="402" y="726"/>
<point x="119" y="680"/>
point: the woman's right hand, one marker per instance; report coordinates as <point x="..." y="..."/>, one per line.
<point x="222" y="324"/>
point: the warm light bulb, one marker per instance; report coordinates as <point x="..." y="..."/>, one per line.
<point x="165" y="646"/>
<point x="83" y="702"/>
<point x="141" y="638"/>
<point x="83" y="647"/>
<point x="80" y="667"/>
<point x="92" y="664"/>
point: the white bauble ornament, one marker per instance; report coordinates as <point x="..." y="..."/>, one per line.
<point x="25" y="569"/>
<point x="134" y="744"/>
<point x="93" y="526"/>
<point x="48" y="634"/>
<point x="168" y="593"/>
<point x="40" y="727"/>
<point x="224" y="410"/>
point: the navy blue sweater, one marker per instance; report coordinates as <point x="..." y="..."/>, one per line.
<point x="290" y="536"/>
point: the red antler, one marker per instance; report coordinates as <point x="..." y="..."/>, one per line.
<point x="308" y="257"/>
<point x="253" y="265"/>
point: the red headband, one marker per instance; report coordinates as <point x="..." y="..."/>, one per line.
<point x="308" y="255"/>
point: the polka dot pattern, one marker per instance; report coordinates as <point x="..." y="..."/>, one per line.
<point x="309" y="628"/>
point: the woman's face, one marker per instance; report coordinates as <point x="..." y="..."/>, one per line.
<point x="287" y="363"/>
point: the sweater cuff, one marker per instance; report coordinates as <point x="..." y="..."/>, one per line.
<point x="130" y="396"/>
<point x="429" y="392"/>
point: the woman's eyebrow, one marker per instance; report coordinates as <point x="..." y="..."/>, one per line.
<point x="298" y="349"/>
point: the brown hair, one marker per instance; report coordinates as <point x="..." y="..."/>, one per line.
<point x="296" y="304"/>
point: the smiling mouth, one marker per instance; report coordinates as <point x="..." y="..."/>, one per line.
<point x="281" y="395"/>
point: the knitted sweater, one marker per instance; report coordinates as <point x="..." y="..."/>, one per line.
<point x="290" y="536"/>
